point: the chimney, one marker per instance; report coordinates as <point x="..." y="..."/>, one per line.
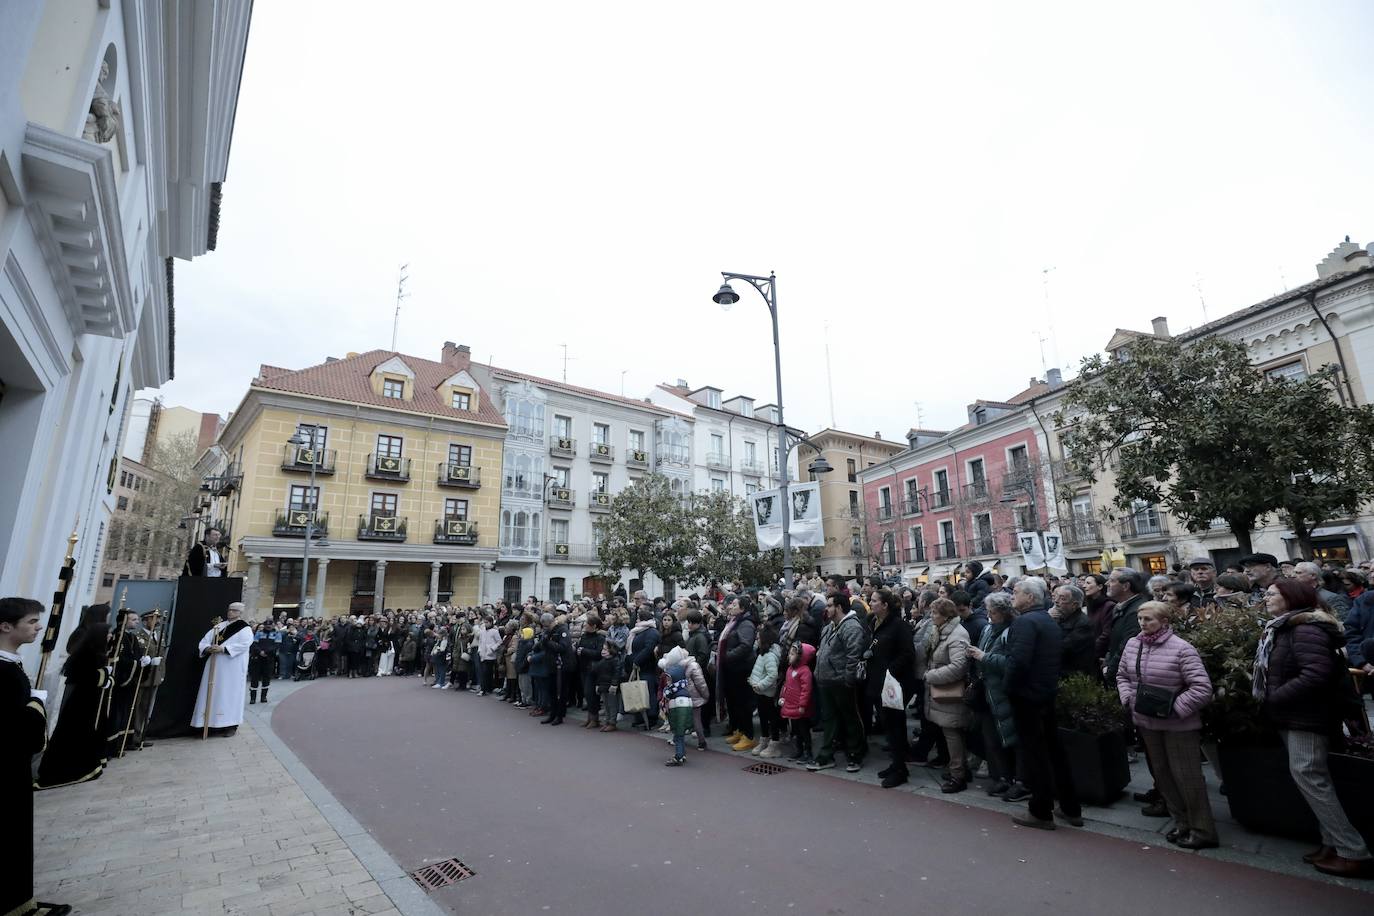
<point x="449" y="356"/>
<point x="877" y="434"/>
<point x="682" y="383"/>
<point x="1033" y="382"/>
<point x="1161" y="326"/>
<point x="1054" y="378"/>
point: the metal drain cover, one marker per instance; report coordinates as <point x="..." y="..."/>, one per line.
<point x="766" y="769"/>
<point x="441" y="874"/>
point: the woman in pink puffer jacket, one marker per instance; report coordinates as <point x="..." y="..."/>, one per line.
<point x="1159" y="657"/>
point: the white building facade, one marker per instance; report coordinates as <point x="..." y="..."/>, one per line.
<point x="568" y="451"/>
<point x="115" y="120"/>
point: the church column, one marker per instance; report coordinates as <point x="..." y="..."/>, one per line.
<point x="434" y="582"/>
<point x="322" y="571"/>
<point x="252" y="588"/>
<point x="377" y="587"/>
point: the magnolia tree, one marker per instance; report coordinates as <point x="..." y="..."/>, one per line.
<point x="1199" y="430"/>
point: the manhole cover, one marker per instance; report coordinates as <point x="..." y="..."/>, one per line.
<point x="441" y="874"/>
<point x="765" y="769"/>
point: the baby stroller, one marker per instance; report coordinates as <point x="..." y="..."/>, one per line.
<point x="305" y="663"/>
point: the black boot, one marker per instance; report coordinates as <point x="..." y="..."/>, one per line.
<point x="264" y="694"/>
<point x="252" y="695"/>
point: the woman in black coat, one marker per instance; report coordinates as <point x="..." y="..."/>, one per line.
<point x="76" y="750"/>
<point x="1299" y="680"/>
<point x="734" y="663"/>
<point x="891" y="652"/>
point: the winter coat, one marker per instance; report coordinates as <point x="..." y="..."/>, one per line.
<point x="1120" y="628"/>
<point x="1171" y="663"/>
<point x="841" y="649"/>
<point x="1033" y="647"/>
<point x="978" y="590"/>
<point x="1100" y="614"/>
<point x="539" y="658"/>
<point x="799" y="630"/>
<point x="890" y="652"/>
<point x="641" y="651"/>
<point x="697" y="689"/>
<point x="589" y="649"/>
<point x="947" y="663"/>
<point x="607" y="671"/>
<point x="974" y="623"/>
<point x="488" y="642"/>
<point x="522" y="654"/>
<point x="618" y="633"/>
<point x="1304" y="680"/>
<point x="508" y="655"/>
<point x="798" y="688"/>
<point x="991" y="672"/>
<point x="410" y="649"/>
<point x="1359" y="627"/>
<point x="737" y="660"/>
<point x="764" y="678"/>
<point x="920" y="638"/>
<point x="1078" y="652"/>
<point x="699" y="647"/>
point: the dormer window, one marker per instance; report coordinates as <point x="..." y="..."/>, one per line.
<point x="713" y="399"/>
<point x="462" y="400"/>
<point x="393" y="388"/>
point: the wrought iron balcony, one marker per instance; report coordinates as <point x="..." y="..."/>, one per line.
<point x="1082" y="532"/>
<point x="637" y="458"/>
<point x="1018" y="479"/>
<point x="571" y="553"/>
<point x="381" y="528"/>
<point x="602" y="453"/>
<point x="599" y="502"/>
<point x="883" y="512"/>
<point x="976" y="492"/>
<point x="946" y="550"/>
<point x="1140" y="527"/>
<point x="1064" y="471"/>
<point x="460" y="476"/>
<point x="291" y="524"/>
<point x="982" y="546"/>
<point x="562" y="498"/>
<point x="718" y="460"/>
<point x="940" y="499"/>
<point x="304" y="458"/>
<point x="752" y="469"/>
<point x="563" y="447"/>
<point x="673" y="455"/>
<point x="911" y="505"/>
<point x="915" y="554"/>
<point x="455" y="531"/>
<point x="384" y="467"/>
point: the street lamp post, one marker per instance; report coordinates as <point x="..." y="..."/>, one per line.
<point x="768" y="288"/>
<point x="299" y="441"/>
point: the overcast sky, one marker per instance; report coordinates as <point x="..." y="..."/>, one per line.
<point x="580" y="173"/>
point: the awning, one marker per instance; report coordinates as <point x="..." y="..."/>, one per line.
<point x="1332" y="531"/>
<point x="939" y="572"/>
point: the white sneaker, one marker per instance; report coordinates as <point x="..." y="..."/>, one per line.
<point x="759" y="748"/>
<point x="772" y="750"/>
<point x="436" y="686"/>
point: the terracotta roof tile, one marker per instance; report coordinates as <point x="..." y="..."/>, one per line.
<point x="348" y="380"/>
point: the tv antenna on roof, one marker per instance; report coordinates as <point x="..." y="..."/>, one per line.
<point x="566" y="357"/>
<point x="400" y="294"/>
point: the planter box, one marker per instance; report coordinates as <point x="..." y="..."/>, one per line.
<point x="1354" y="779"/>
<point x="1261" y="794"/>
<point x="1098" y="765"/>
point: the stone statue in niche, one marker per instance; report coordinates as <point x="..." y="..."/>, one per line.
<point x="103" y="119"/>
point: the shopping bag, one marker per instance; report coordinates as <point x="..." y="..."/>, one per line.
<point x="634" y="694"/>
<point x="892" y="693"/>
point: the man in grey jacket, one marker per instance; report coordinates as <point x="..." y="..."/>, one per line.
<point x="837" y="677"/>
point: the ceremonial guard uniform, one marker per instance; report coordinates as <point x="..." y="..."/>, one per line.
<point x="150" y="637"/>
<point x="262" y="662"/>
<point x="24" y="723"/>
<point x="124" y="676"/>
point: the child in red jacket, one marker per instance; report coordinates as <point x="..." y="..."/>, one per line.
<point x="798" y="700"/>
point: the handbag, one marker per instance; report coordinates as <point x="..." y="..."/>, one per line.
<point x="945" y="692"/>
<point x="464" y="656"/>
<point x="976" y="698"/>
<point x="1152" y="702"/>
<point x="634" y="693"/>
<point x="892" y="693"/>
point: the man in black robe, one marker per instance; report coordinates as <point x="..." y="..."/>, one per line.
<point x="24" y="724"/>
<point x="128" y="664"/>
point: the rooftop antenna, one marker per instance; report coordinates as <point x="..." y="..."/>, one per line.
<point x="400" y="294"/>
<point x="566" y="357"/>
<point x="920" y="420"/>
<point x="1198" y="286"/>
<point x="1049" y="316"/>
<point x="622" y="381"/>
<point x="1044" y="367"/>
<point x="829" y="381"/>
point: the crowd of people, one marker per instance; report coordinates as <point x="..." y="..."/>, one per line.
<point x="809" y="673"/>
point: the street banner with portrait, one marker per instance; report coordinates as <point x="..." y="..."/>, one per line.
<point x="1054" y="551"/>
<point x="804" y="525"/>
<point x="767" y="509"/>
<point x="1032" y="552"/>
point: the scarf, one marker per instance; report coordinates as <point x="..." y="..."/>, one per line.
<point x="639" y="627"/>
<point x="720" y="662"/>
<point x="1152" y="639"/>
<point x="1260" y="675"/>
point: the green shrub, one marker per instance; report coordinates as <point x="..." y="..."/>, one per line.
<point x="1227" y="640"/>
<point x="1085" y="705"/>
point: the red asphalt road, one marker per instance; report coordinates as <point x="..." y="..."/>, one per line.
<point x="566" y="820"/>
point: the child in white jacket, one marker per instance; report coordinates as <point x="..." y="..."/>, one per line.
<point x="764" y="681"/>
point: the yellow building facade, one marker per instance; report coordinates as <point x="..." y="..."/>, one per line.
<point x="405" y="456"/>
<point x="846" y="548"/>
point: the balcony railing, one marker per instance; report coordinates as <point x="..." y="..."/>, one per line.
<point x="291" y="524"/>
<point x="563" y="447"/>
<point x="1082" y="532"/>
<point x="855" y="550"/>
<point x="940" y="499"/>
<point x="911" y="505"/>
<point x="571" y="553"/>
<point x="718" y="460"/>
<point x="562" y="498"/>
<point x="915" y="554"/>
<point x="976" y="492"/>
<point x="303" y="458"/>
<point x="674" y="455"/>
<point x="1017" y="479"/>
<point x="883" y="512"/>
<point x="599" y="502"/>
<point x="460" y="476"/>
<point x="384" y="467"/>
<point x="637" y="458"/>
<point x="947" y="550"/>
<point x="752" y="469"/>
<point x="887" y="558"/>
<point x="226" y="481"/>
<point x="602" y="453"/>
<point x="1064" y="471"/>
<point x="1136" y="527"/>
<point x="982" y="546"/>
<point x="381" y="528"/>
<point x="455" y="531"/>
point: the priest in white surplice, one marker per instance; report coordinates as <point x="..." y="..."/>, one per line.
<point x="227" y="643"/>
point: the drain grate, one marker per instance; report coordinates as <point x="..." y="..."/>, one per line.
<point x="441" y="874"/>
<point x="766" y="769"/>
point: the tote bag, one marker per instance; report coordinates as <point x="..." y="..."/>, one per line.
<point x="892" y="693"/>
<point x="634" y="694"/>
